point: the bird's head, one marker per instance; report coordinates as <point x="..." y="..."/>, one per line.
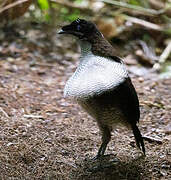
<point x="82" y="29"/>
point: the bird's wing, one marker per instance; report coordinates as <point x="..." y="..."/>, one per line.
<point x="116" y="58"/>
<point x="127" y="97"/>
<point x="128" y="101"/>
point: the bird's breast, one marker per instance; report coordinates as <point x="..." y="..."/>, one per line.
<point x="106" y="114"/>
<point x="93" y="76"/>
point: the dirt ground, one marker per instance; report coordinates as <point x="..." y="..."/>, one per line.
<point x="44" y="136"/>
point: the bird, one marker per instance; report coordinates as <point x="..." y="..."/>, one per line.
<point x="101" y="84"/>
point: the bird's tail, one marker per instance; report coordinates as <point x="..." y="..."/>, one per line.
<point x="138" y="138"/>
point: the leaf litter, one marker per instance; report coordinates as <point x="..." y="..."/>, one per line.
<point x="44" y="136"/>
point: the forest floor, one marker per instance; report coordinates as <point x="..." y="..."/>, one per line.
<point x="44" y="136"/>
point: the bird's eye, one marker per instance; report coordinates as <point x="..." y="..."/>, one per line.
<point x="78" y="27"/>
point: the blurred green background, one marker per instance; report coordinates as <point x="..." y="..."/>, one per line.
<point x="137" y="29"/>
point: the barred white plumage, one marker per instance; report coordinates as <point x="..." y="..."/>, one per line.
<point x="94" y="75"/>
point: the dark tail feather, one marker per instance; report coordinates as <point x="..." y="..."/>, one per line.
<point x="138" y="138"/>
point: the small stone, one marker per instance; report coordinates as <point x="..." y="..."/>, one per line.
<point x="140" y="79"/>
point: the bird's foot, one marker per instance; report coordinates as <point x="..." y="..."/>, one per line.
<point x="103" y="162"/>
<point x="97" y="157"/>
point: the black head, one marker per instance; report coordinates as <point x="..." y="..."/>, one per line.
<point x="80" y="28"/>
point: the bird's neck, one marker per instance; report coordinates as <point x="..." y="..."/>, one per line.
<point x="97" y="45"/>
<point x="85" y="47"/>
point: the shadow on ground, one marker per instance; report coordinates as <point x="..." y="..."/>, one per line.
<point x="108" y="168"/>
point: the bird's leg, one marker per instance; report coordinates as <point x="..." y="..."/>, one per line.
<point x="106" y="136"/>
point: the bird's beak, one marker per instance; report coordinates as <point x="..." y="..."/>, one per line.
<point x="77" y="34"/>
<point x="61" y="32"/>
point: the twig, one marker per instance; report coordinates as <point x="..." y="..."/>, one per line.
<point x="71" y="5"/>
<point x="134" y="7"/>
<point x="3" y="3"/>
<point x="33" y="116"/>
<point x="13" y="5"/>
<point x="69" y="164"/>
<point x="165" y="53"/>
<point x="152" y="104"/>
<point x="151" y="139"/>
<point x="43" y="64"/>
<point x="143" y="23"/>
<point x="157" y="4"/>
<point x="6" y="115"/>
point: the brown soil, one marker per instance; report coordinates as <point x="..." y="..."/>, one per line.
<point x="44" y="136"/>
